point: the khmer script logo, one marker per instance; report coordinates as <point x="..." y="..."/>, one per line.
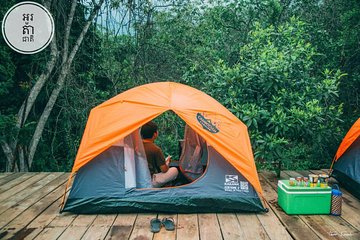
<point x="28" y="27"/>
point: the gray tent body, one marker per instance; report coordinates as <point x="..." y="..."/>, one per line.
<point x="347" y="169"/>
<point x="104" y="185"/>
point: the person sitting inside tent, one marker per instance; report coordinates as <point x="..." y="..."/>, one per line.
<point x="159" y="167"/>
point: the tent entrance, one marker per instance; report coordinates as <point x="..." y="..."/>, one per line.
<point x="194" y="155"/>
<point x="122" y="166"/>
<point x="135" y="167"/>
<point x="126" y="162"/>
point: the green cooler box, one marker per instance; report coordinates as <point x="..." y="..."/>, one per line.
<point x="303" y="200"/>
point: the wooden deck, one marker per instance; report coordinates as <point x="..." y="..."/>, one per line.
<point x="29" y="209"/>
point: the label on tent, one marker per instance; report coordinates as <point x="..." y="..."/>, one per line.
<point x="206" y="123"/>
<point x="232" y="184"/>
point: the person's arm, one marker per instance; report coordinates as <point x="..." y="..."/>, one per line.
<point x="164" y="168"/>
<point x="161" y="162"/>
<point x="167" y="160"/>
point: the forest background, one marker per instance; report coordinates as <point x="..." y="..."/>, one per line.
<point x="290" y="70"/>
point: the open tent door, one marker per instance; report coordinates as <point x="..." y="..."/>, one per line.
<point x="193" y="159"/>
<point x="121" y="167"/>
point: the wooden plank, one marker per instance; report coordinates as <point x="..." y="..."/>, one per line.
<point x="22" y="186"/>
<point x="5" y="174"/>
<point x="17" y="209"/>
<point x="342" y="228"/>
<point x="104" y="220"/>
<point x="25" y="217"/>
<point x="209" y="226"/>
<point x="16" y="181"/>
<point x="122" y="227"/>
<point x="84" y="220"/>
<point x="163" y="234"/>
<point x="44" y="219"/>
<point x="296" y="227"/>
<point x="293" y="174"/>
<point x="62" y="219"/>
<point x="11" y="177"/>
<point x="141" y="228"/>
<point x="252" y="228"/>
<point x="13" y="200"/>
<point x="100" y="227"/>
<point x="50" y="233"/>
<point x="350" y="214"/>
<point x="317" y="223"/>
<point x="73" y="232"/>
<point x="25" y="233"/>
<point x="96" y="232"/>
<point x="274" y="229"/>
<point x="187" y="227"/>
<point x="31" y="235"/>
<point x="40" y="222"/>
<point x="230" y="227"/>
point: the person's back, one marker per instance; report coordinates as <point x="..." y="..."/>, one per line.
<point x="158" y="166"/>
<point x="154" y="157"/>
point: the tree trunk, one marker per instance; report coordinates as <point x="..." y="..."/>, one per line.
<point x="10" y="158"/>
<point x="12" y="150"/>
<point x="65" y="69"/>
<point x="22" y="163"/>
<point x="35" y="90"/>
<point x="45" y="115"/>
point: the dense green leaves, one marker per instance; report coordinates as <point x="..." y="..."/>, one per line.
<point x="289" y="70"/>
<point x="275" y="89"/>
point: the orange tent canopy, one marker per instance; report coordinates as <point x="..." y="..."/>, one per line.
<point x="349" y="138"/>
<point x="121" y="115"/>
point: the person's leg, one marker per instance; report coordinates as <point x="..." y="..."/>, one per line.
<point x="160" y="179"/>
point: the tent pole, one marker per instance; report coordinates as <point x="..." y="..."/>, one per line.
<point x="66" y="187"/>
<point x="331" y="167"/>
<point x="266" y="205"/>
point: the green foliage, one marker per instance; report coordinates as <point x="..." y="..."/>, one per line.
<point x="334" y="31"/>
<point x="288" y="69"/>
<point x="171" y="130"/>
<point x="7" y="72"/>
<point x="283" y="99"/>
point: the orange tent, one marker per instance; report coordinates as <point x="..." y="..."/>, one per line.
<point x="128" y="111"/>
<point x="345" y="166"/>
<point x="349" y="138"/>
